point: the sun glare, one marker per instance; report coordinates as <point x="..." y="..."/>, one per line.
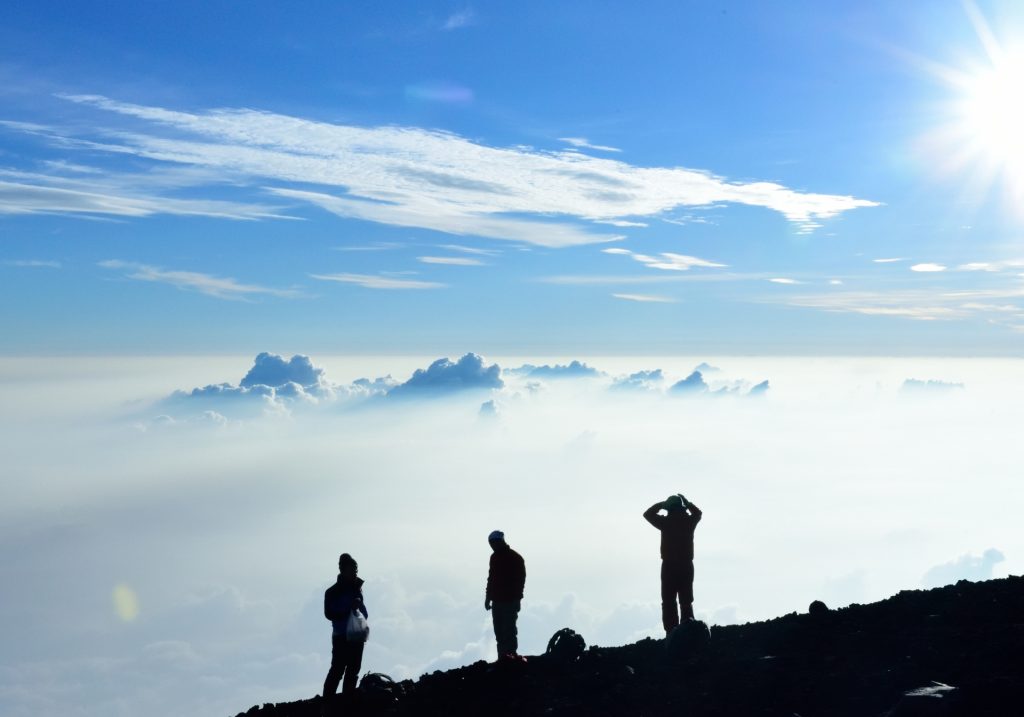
<point x="978" y="139"/>
<point x="993" y="113"/>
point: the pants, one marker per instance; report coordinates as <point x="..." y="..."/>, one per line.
<point x="346" y="659"/>
<point x="505" y="615"/>
<point x="676" y="586"/>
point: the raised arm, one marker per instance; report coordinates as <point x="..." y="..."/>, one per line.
<point x="693" y="510"/>
<point x="652" y="517"/>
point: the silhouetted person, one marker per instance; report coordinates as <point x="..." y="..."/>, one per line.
<point x="505" y="580"/>
<point x="340" y="600"/>
<point x="676" y="527"/>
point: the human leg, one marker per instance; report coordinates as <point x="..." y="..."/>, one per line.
<point x="505" y="615"/>
<point x="669" y="596"/>
<point x="336" y="670"/>
<point x="686" y="590"/>
<point x="353" y="664"/>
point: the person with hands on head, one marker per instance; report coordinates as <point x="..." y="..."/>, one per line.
<point x="677" y="527"/>
<point x="340" y="600"/>
<point x="506" y="578"/>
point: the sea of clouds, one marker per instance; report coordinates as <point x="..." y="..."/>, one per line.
<point x="168" y="525"/>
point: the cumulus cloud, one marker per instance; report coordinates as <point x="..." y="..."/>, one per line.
<point x="966" y="567"/>
<point x="759" y="389"/>
<point x="402" y="176"/>
<point x="444" y="377"/>
<point x="694" y="383"/>
<point x="274" y="386"/>
<point x="639" y="381"/>
<point x="574" y="369"/>
<point x="272" y="370"/>
<point x="215" y="286"/>
<point x="928" y="267"/>
<point x="489" y="409"/>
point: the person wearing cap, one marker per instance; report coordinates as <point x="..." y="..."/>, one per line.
<point x="340" y="600"/>
<point x="505" y="581"/>
<point x="677" y="527"/>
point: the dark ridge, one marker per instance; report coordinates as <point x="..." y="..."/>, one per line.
<point x="958" y="651"/>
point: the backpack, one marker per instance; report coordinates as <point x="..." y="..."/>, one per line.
<point x="566" y="645"/>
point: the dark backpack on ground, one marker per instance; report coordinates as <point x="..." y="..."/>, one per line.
<point x="380" y="691"/>
<point x="566" y="646"/>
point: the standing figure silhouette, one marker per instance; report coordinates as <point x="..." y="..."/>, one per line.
<point x="506" y="577"/>
<point x="676" y="526"/>
<point x="340" y="600"/>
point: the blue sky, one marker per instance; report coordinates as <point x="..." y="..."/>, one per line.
<point x="579" y="178"/>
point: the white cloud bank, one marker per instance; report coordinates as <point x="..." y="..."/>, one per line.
<point x="227" y="538"/>
<point x="403" y="176"/>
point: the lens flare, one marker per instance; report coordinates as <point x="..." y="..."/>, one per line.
<point x="126" y="602"/>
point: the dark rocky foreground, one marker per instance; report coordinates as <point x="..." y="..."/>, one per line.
<point x="958" y="651"/>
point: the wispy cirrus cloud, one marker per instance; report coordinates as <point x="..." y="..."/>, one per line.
<point x="888" y="260"/>
<point x="667" y="261"/>
<point x="470" y="249"/>
<point x="376" y="281"/>
<point x="41" y="198"/>
<point x="646" y="298"/>
<point x="1003" y="305"/>
<point x="460" y="19"/>
<point x="784" y="280"/>
<point x="33" y="263"/>
<point x="407" y="176"/>
<point x="450" y="260"/>
<point x="992" y="266"/>
<point x="584" y="143"/>
<point x="215" y="286"/>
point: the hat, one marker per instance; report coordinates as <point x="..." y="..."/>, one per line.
<point x="496" y="536"/>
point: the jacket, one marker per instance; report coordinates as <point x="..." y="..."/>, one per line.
<point x="506" y="576"/>
<point x="338" y="601"/>
<point x="677" y="532"/>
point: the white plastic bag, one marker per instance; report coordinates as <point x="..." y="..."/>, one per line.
<point x="357" y="629"/>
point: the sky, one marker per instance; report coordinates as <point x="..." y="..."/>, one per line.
<point x="816" y="178"/>
<point x="293" y="280"/>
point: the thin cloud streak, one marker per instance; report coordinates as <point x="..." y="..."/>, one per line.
<point x="217" y="287"/>
<point x="584" y="143"/>
<point x="646" y="298"/>
<point x="450" y="260"/>
<point x="668" y="261"/>
<point x="923" y="305"/>
<point x="33" y="263"/>
<point x="370" y="281"/>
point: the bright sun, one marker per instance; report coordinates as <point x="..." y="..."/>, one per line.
<point x="992" y="111"/>
<point x="980" y="138"/>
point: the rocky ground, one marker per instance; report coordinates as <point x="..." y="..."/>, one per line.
<point x="956" y="651"/>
